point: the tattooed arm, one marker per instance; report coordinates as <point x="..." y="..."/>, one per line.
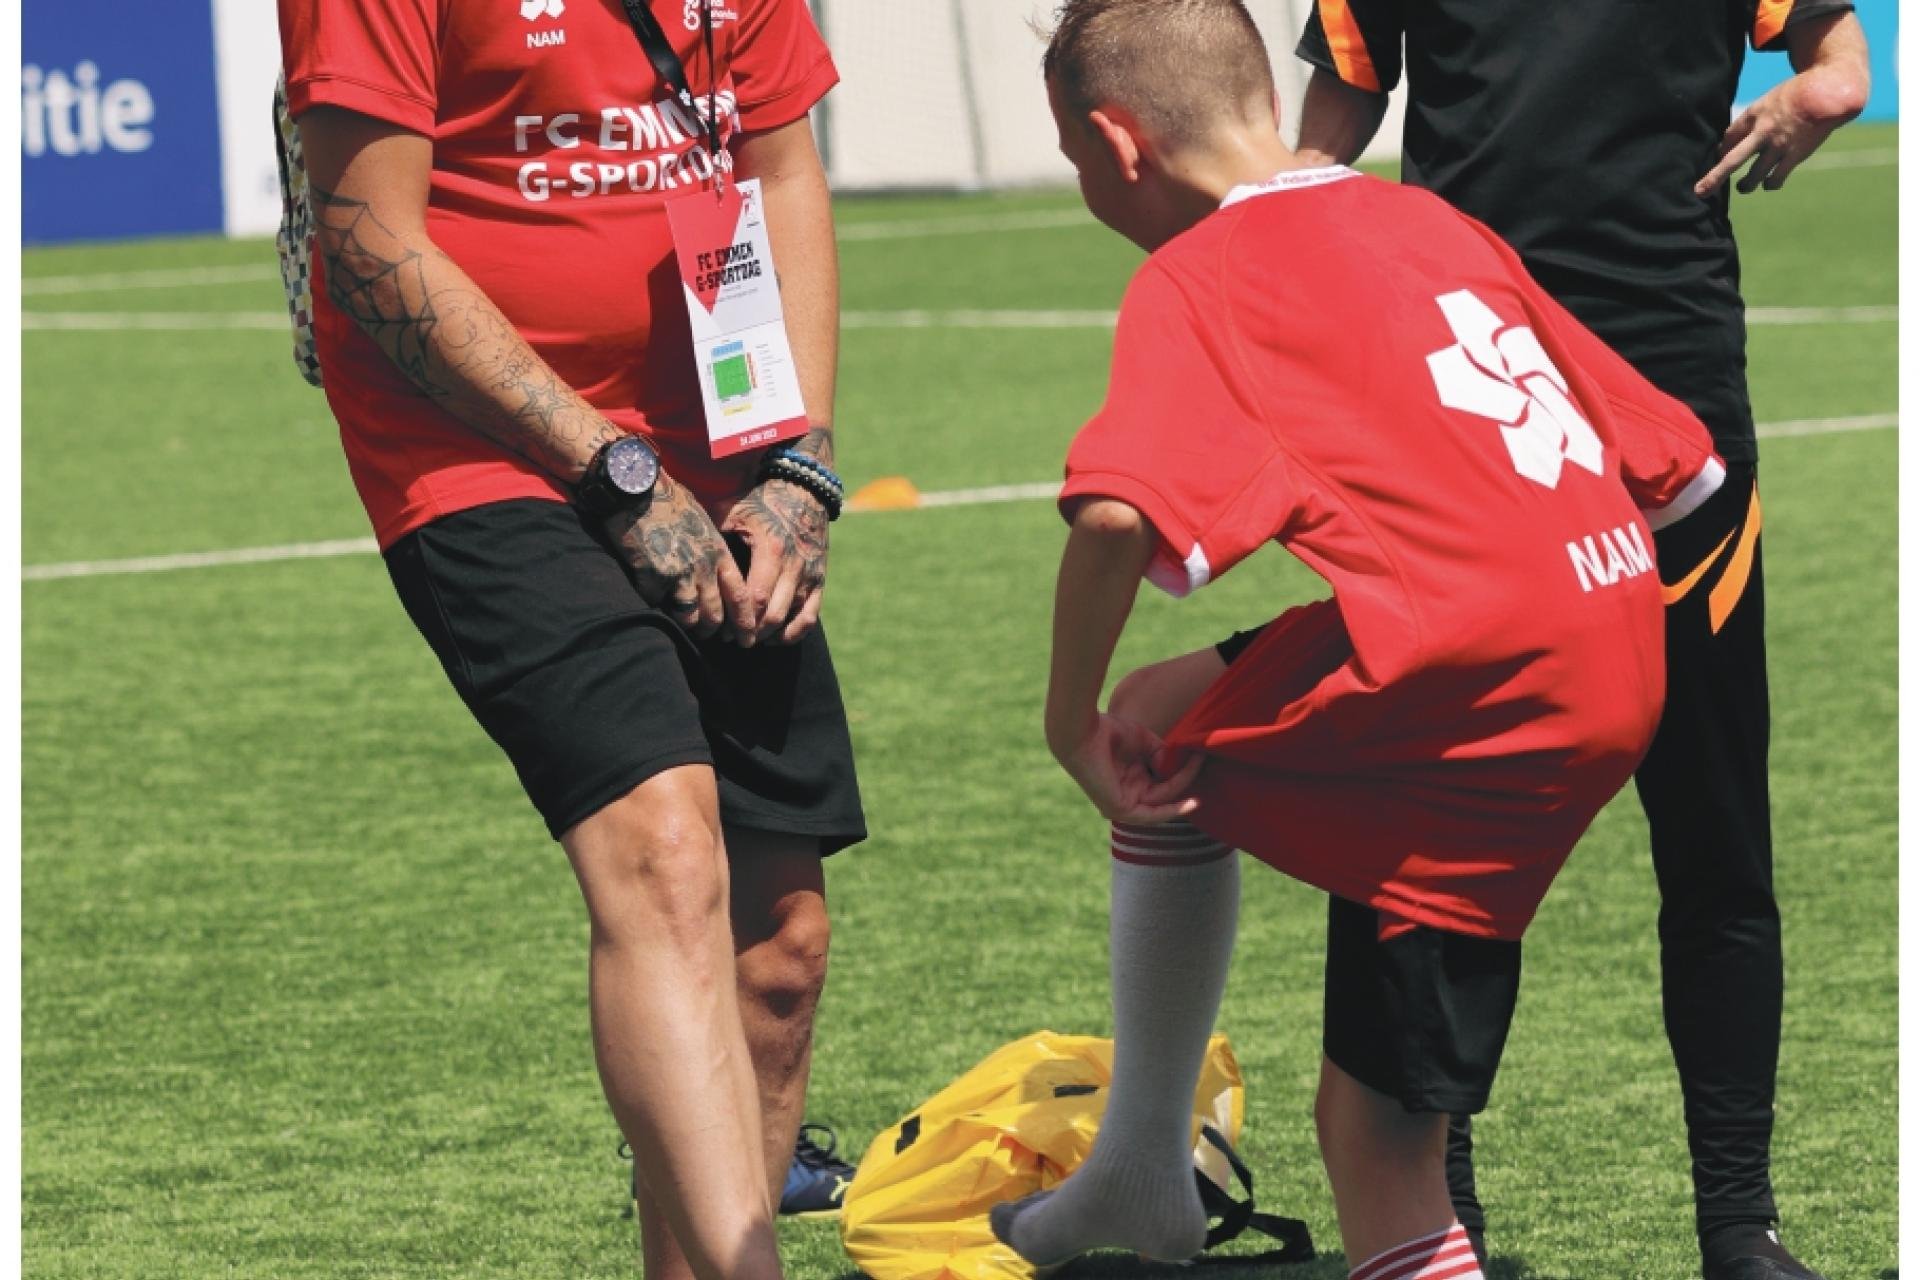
<point x="369" y="184"/>
<point x="784" y="526"/>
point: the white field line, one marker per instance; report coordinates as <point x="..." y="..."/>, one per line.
<point x="1822" y="315"/>
<point x="173" y="278"/>
<point x="260" y="273"/>
<point x="1826" y="426"/>
<point x="1868" y="158"/>
<point x="156" y="321"/>
<point x="198" y="560"/>
<point x="900" y="229"/>
<point x="973" y="224"/>
<point x="1008" y="319"/>
<point x="275" y="321"/>
<point x="1039" y="489"/>
<point x="1033" y="492"/>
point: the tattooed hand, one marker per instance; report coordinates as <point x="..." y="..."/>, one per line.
<point x="681" y="564"/>
<point x="785" y="529"/>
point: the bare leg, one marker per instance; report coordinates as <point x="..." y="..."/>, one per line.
<point x="666" y="1021"/>
<point x="780" y="934"/>
<point x="1387" y="1165"/>
<point x="1158" y="695"/>
<point x="780" y="944"/>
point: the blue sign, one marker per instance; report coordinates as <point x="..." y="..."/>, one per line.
<point x="119" y="120"/>
<point x="1881" y="20"/>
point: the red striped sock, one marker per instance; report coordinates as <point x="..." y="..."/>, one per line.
<point x="1169" y="844"/>
<point x="1446" y="1254"/>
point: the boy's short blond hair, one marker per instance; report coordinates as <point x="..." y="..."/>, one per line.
<point x="1183" y="68"/>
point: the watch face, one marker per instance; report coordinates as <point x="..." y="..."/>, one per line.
<point x="632" y="466"/>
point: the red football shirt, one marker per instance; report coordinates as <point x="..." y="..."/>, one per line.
<point x="1355" y="370"/>
<point x="555" y="150"/>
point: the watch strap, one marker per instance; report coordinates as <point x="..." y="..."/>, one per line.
<point x="597" y="495"/>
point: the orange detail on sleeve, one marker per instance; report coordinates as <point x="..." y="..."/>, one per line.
<point x="1349" y="47"/>
<point x="1769" y="20"/>
<point x="1726" y="593"/>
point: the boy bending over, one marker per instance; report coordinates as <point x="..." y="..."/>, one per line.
<point x="1352" y="369"/>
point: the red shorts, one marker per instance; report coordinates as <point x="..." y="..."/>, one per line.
<point x="1446" y="801"/>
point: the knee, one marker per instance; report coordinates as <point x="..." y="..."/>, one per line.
<point x="785" y="969"/>
<point x="1158" y="695"/>
<point x="653" y="870"/>
<point x="1130" y="695"/>
<point x="1139" y="698"/>
<point x="1728" y="918"/>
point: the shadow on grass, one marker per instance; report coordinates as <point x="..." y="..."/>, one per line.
<point x="1328" y="1266"/>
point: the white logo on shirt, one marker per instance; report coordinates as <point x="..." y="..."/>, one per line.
<point x="534" y="10"/>
<point x="664" y="144"/>
<point x="690" y="13"/>
<point x="1501" y="372"/>
<point x="1604" y="558"/>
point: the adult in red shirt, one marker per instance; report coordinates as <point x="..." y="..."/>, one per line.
<point x="505" y="345"/>
<point x="1354" y="370"/>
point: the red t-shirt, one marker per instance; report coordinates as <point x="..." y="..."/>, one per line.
<point x="555" y="150"/>
<point x="1355" y="370"/>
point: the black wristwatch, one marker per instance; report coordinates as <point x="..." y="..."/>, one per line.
<point x="620" y="478"/>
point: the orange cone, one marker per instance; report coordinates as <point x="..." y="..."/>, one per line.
<point x="888" y="493"/>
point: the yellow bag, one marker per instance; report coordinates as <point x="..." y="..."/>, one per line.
<point x="1017" y="1123"/>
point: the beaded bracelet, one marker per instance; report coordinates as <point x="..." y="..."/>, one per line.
<point x="811" y="463"/>
<point x="815" y="477"/>
<point x="788" y="454"/>
<point x="795" y="466"/>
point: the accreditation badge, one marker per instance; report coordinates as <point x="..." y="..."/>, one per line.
<point x="748" y="382"/>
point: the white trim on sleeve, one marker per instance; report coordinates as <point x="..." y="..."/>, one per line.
<point x="1698" y="490"/>
<point x="1183" y="579"/>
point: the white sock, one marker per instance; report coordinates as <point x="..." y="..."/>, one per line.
<point x="1176" y="898"/>
<point x="1446" y="1254"/>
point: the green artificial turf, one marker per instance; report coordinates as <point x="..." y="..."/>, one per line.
<point x="303" y="979"/>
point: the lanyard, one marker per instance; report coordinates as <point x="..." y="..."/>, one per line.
<point x="673" y="72"/>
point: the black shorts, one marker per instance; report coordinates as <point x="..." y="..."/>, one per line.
<point x="591" y="691"/>
<point x="1236" y="644"/>
<point x="1422" y="1016"/>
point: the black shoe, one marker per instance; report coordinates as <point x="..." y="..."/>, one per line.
<point x="1761" y="1268"/>
<point x="817" y="1180"/>
<point x="1750" y="1251"/>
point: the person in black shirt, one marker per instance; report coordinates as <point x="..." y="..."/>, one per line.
<point x="1594" y="139"/>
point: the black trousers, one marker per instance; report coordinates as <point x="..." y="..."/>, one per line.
<point x="1704" y="788"/>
